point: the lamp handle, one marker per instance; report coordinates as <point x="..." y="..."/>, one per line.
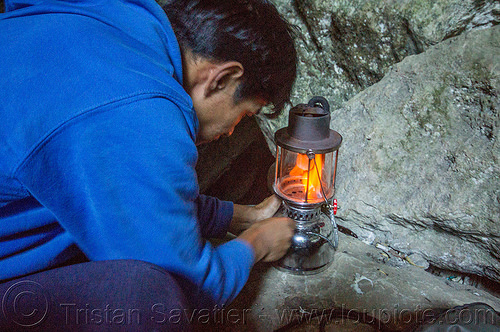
<point x="318" y="100"/>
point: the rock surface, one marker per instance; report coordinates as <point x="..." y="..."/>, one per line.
<point x="360" y="280"/>
<point x="421" y="156"/>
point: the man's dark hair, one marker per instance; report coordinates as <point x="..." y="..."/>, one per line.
<point x="251" y="32"/>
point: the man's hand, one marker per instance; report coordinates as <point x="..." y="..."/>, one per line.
<point x="270" y="238"/>
<point x="245" y="216"/>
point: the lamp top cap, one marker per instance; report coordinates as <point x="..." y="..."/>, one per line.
<point x="309" y="128"/>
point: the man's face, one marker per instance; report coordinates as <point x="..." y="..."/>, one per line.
<point x="212" y="86"/>
<point x="219" y="117"/>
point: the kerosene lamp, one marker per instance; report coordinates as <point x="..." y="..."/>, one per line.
<point x="306" y="164"/>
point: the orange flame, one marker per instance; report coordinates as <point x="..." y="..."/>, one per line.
<point x="311" y="181"/>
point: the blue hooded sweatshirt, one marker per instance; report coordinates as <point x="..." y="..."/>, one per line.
<point x="97" y="146"/>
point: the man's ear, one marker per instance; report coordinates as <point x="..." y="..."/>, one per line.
<point x="222" y="76"/>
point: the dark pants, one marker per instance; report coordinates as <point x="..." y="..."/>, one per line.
<point x="122" y="295"/>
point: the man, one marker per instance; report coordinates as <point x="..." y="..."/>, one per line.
<point x="102" y="105"/>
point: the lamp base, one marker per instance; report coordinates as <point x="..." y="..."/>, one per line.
<point x="314" y="242"/>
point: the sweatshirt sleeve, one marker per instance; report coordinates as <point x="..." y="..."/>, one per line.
<point x="214" y="216"/>
<point x="121" y="180"/>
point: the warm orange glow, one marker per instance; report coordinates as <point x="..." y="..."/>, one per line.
<point x="313" y="181"/>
